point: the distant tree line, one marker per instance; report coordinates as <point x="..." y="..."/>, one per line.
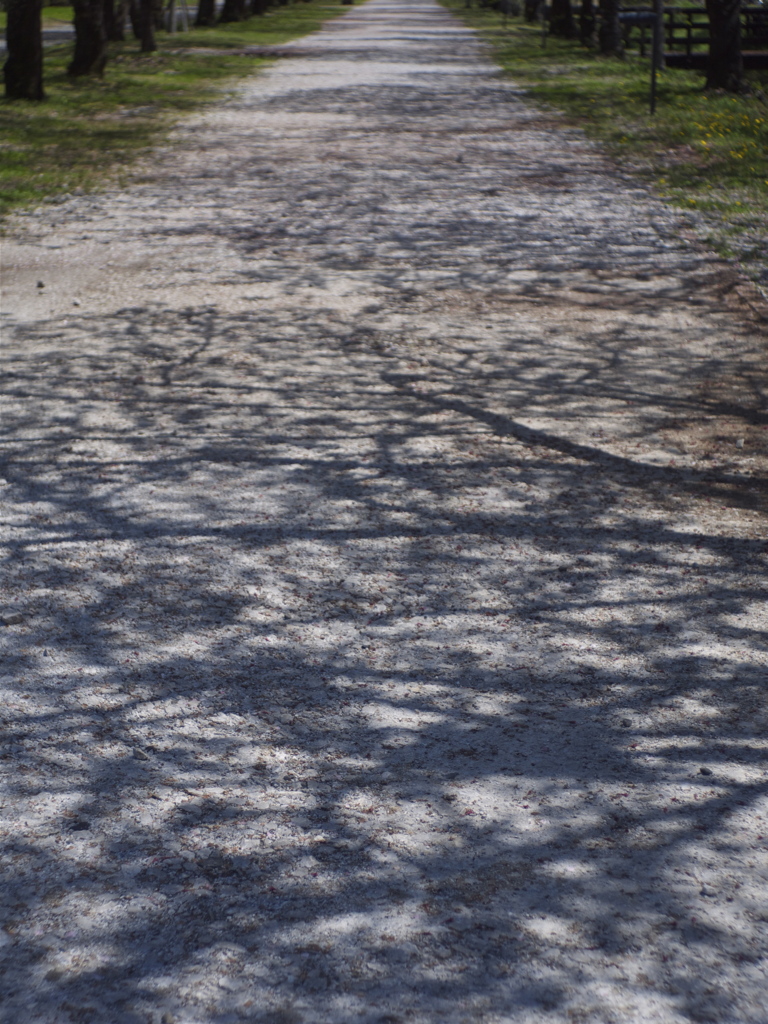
<point x="596" y="24"/>
<point x="97" y="23"/>
<point x="563" y="19"/>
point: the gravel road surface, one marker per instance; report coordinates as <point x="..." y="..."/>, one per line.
<point x="383" y="580"/>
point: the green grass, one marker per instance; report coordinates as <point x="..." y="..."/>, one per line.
<point x="90" y="130"/>
<point x="52" y="17"/>
<point x="703" y="151"/>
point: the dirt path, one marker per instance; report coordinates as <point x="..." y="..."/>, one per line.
<point x="383" y="573"/>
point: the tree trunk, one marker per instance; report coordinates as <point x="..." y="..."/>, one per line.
<point x="657" y="39"/>
<point x="134" y="16"/>
<point x="121" y="13"/>
<point x="530" y="9"/>
<point x="725" y="69"/>
<point x="142" y="23"/>
<point x="90" y="54"/>
<point x="587" y="22"/>
<point x="561" y="19"/>
<point x="23" y="69"/>
<point x="259" y="7"/>
<point x="233" y="10"/>
<point x="609" y="35"/>
<point x="206" y="13"/>
<point x="109" y="17"/>
<point x="114" y="20"/>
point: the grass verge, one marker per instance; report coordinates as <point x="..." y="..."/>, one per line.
<point x="53" y="17"/>
<point x="89" y="129"/>
<point x="705" y="152"/>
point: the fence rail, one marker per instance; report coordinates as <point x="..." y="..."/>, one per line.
<point x="686" y="36"/>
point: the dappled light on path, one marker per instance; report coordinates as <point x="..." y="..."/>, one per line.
<point x="386" y="630"/>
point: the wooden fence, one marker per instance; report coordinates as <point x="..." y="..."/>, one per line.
<point x="686" y="36"/>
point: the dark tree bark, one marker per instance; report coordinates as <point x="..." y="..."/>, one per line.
<point x="108" y="14"/>
<point x="561" y="19"/>
<point x="147" y="10"/>
<point x="90" y="54"/>
<point x="206" y="13"/>
<point x="158" y="15"/>
<point x="609" y="37"/>
<point x="233" y="10"/>
<point x="109" y="17"/>
<point x="114" y="20"/>
<point x="725" y="69"/>
<point x="134" y="16"/>
<point x="587" y="22"/>
<point x="142" y="23"/>
<point x="259" y="7"/>
<point x="657" y="38"/>
<point x="23" y="69"/>
<point x="121" y="9"/>
<point x="530" y="9"/>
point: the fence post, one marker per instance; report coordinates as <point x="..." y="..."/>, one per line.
<point x="658" y="36"/>
<point x="658" y="49"/>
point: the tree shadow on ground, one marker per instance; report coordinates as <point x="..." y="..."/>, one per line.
<point x="329" y="703"/>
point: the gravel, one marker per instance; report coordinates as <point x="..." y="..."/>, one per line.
<point x="383" y="594"/>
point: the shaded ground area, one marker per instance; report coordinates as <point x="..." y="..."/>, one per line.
<point x="384" y="572"/>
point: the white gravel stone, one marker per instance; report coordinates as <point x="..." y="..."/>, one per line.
<point x="383" y="585"/>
